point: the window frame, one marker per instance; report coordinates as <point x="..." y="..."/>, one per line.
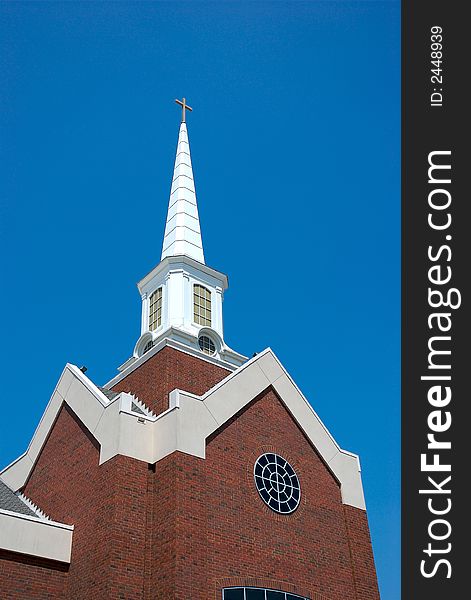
<point x="202" y="305"/>
<point x="275" y="465"/>
<point x="158" y="303"/>
<point x="251" y="587"/>
<point x="211" y="349"/>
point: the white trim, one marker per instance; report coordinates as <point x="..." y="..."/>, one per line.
<point x="37" y="511"/>
<point x="214" y="336"/>
<point x="179" y="259"/>
<point x="126" y="402"/>
<point x="131" y="365"/>
<point x="256" y="358"/>
<point x="35" y="536"/>
<point x="187" y="423"/>
<point x="177" y="277"/>
<point x="36" y="519"/>
<point x="141" y="343"/>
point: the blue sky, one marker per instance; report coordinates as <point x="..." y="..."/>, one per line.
<point x="295" y="140"/>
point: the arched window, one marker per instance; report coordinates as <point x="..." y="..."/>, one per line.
<point x="155" y="310"/>
<point x="202" y="305"/>
<point x="250" y="593"/>
<point x="148" y="346"/>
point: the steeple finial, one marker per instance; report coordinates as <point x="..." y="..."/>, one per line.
<point x="185" y="107"/>
<point x="182" y="230"/>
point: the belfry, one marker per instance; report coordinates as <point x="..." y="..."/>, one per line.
<point x="195" y="473"/>
<point x="182" y="297"/>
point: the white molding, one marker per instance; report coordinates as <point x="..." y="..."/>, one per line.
<point x="141" y="343"/>
<point x="177" y="276"/>
<point x="195" y="266"/>
<point x="187" y="423"/>
<point x="133" y="363"/>
<point x="35" y="536"/>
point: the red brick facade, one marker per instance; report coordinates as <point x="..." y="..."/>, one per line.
<point x="186" y="527"/>
<point x="225" y="535"/>
<point x="106" y="504"/>
<point x="27" y="578"/>
<point x="168" y="370"/>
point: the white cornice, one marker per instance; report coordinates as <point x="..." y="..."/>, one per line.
<point x="35" y="536"/>
<point x="187" y="423"/>
<point x="181" y="261"/>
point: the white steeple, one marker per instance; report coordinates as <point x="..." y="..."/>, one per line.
<point x="182" y="230"/>
<point x="182" y="297"/>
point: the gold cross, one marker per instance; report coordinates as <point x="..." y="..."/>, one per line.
<point x="184" y="106"/>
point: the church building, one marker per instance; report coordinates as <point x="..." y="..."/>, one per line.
<point x="196" y="473"/>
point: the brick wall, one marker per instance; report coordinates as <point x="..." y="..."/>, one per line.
<point x="26" y="578"/>
<point x="186" y="527"/>
<point x="362" y="556"/>
<point x="105" y="504"/>
<point x="122" y="524"/>
<point x="167" y="370"/>
<point x="225" y="534"/>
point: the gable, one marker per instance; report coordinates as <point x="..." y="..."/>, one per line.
<point x="265" y="425"/>
<point x="200" y="419"/>
<point x="187" y="423"/>
<point x="230" y="528"/>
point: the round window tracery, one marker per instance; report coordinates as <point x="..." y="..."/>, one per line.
<point x="277" y="483"/>
<point x="207" y="345"/>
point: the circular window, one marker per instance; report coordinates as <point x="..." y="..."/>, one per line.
<point x="277" y="483"/>
<point x="207" y="345"/>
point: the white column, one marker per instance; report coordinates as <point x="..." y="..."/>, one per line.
<point x="187" y="301"/>
<point x="165" y="302"/>
<point x="144" y="313"/>
<point x="176" y="298"/>
<point x="218" y="296"/>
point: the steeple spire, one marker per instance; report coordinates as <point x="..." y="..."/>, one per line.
<point x="182" y="297"/>
<point x="182" y="230"/>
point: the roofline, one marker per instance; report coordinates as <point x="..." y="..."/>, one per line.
<point x="35" y="536"/>
<point x="187" y="423"/>
<point x="35" y="518"/>
<point x="128" y="367"/>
